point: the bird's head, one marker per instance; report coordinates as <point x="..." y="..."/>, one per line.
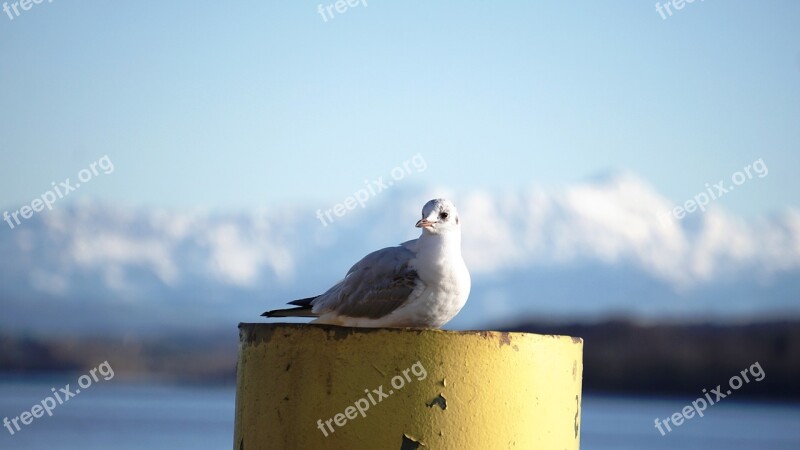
<point x="439" y="216"/>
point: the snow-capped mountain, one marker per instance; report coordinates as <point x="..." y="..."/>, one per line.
<point x="606" y="246"/>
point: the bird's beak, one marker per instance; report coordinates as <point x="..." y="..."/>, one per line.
<point x="424" y="223"/>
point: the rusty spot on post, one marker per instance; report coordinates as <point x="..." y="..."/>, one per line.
<point x="577" y="414"/>
<point x="505" y="338"/>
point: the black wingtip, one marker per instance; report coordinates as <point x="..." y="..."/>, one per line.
<point x="290" y="312"/>
<point x="304" y="302"/>
<point x="303" y="309"/>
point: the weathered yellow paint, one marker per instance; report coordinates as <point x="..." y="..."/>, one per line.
<point x="483" y="390"/>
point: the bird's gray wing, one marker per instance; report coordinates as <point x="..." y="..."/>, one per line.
<point x="374" y="287"/>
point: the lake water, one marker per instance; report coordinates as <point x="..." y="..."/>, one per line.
<point x="119" y="416"/>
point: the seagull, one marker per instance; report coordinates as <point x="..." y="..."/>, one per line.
<point x="420" y="283"/>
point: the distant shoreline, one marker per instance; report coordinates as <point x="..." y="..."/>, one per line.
<point x="621" y="358"/>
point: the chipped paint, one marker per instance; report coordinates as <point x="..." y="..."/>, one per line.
<point x="505" y="338"/>
<point x="410" y="443"/>
<point x="439" y="400"/>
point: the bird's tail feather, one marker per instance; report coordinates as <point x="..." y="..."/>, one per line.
<point x="304" y="302"/>
<point x="290" y="312"/>
<point x="303" y="309"/>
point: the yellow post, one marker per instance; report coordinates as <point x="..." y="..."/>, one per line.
<point x="310" y="387"/>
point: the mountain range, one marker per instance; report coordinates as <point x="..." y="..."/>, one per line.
<point x="605" y="247"/>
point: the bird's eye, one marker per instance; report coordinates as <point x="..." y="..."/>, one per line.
<point x="443" y="216"/>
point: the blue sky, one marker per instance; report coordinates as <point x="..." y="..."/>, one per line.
<point x="251" y="104"/>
